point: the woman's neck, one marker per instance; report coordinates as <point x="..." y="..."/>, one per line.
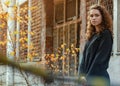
<point x="97" y="28"/>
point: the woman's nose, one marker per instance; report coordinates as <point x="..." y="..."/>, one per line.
<point x="93" y="17"/>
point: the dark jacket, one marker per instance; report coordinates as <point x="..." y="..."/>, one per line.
<point x="96" y="55"/>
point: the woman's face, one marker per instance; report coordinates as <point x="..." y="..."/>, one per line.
<point x="95" y="17"/>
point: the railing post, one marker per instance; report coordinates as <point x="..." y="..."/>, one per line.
<point x="10" y="42"/>
<point x="18" y="29"/>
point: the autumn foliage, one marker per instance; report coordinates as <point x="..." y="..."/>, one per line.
<point x="60" y="61"/>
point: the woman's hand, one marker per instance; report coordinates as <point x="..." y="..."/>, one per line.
<point x="83" y="81"/>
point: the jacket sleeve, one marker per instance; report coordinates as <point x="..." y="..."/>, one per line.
<point x="102" y="54"/>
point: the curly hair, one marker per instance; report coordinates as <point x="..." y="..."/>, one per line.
<point x="105" y="24"/>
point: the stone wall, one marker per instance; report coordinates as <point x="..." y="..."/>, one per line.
<point x="2" y="75"/>
<point x="114" y="70"/>
<point x="21" y="78"/>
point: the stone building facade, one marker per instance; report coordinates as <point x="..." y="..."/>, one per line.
<point x="55" y="22"/>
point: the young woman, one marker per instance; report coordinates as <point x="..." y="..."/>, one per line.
<point x="97" y="51"/>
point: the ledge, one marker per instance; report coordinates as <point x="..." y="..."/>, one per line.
<point x="118" y="53"/>
<point x="71" y="79"/>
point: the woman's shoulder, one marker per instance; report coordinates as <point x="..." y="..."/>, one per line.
<point x="106" y="32"/>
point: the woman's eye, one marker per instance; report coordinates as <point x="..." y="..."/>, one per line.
<point x="91" y="15"/>
<point x="96" y="15"/>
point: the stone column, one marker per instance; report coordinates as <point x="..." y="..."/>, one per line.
<point x="11" y="42"/>
<point x="83" y="27"/>
<point x="115" y="26"/>
<point x="29" y="29"/>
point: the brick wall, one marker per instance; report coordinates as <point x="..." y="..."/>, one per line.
<point x="36" y="27"/>
<point x="23" y="31"/>
<point x="3" y="31"/>
<point x="48" y="4"/>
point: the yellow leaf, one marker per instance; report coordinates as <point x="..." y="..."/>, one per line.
<point x="67" y="50"/>
<point x="57" y="55"/>
<point x="7" y="3"/>
<point x="15" y="32"/>
<point x="29" y="55"/>
<point x="52" y="55"/>
<point x="62" y="46"/>
<point x="32" y="33"/>
<point x="15" y="7"/>
<point x="72" y="45"/>
<point x="0" y="43"/>
<point x="73" y="52"/>
<point x="2" y="25"/>
<point x="12" y="53"/>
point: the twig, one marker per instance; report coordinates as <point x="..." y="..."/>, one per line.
<point x="31" y="69"/>
<point x="24" y="76"/>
